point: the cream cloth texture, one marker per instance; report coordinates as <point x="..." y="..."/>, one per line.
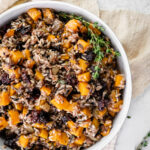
<point x="132" y="29"/>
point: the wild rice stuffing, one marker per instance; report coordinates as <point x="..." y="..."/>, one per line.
<point x="53" y="93"/>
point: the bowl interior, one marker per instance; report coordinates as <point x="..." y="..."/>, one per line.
<point x="122" y="60"/>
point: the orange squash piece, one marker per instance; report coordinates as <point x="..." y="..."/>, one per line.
<point x="46" y="90"/>
<point x="74" y="129"/>
<point x="10" y="32"/>
<point x="95" y="30"/>
<point x="25" y="111"/>
<point x="80" y="140"/>
<point x="48" y="14"/>
<point x="58" y="136"/>
<point x="11" y="91"/>
<point x="4" y="98"/>
<point x="26" y="54"/>
<point x="34" y="13"/>
<point x="39" y="75"/>
<point x="82" y="46"/>
<point x="61" y="103"/>
<point x="16" y="56"/>
<point x="119" y="81"/>
<point x="86" y="123"/>
<point x="84" y="77"/>
<point x="105" y="132"/>
<point x="86" y="111"/>
<point x="43" y="134"/>
<point x="95" y="122"/>
<point x="51" y="38"/>
<point x="73" y="25"/>
<point x="19" y="106"/>
<point x="102" y="113"/>
<point x="64" y="57"/>
<point x="115" y="107"/>
<point x="23" y="141"/>
<point x="66" y="44"/>
<point x="84" y="88"/>
<point x="14" y="117"/>
<point x="18" y="85"/>
<point x="30" y="63"/>
<point x="3" y="123"/>
<point x="13" y="72"/>
<point x="83" y="64"/>
<point x="39" y="125"/>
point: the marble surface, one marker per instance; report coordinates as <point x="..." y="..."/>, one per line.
<point x="135" y="128"/>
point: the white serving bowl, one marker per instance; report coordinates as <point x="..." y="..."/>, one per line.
<point x="122" y="60"/>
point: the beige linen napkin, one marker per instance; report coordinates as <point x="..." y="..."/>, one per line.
<point x="133" y="31"/>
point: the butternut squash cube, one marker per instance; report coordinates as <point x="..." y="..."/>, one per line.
<point x="82" y="46"/>
<point x="25" y="111"/>
<point x="86" y="123"/>
<point x="84" y="77"/>
<point x="23" y="141"/>
<point x="34" y="13"/>
<point x="83" y="64"/>
<point x="105" y="132"/>
<point x="10" y="32"/>
<point x="30" y="63"/>
<point x="80" y="140"/>
<point x="13" y="72"/>
<point x="18" y="85"/>
<point x="96" y="123"/>
<point x="26" y="54"/>
<point x="74" y="129"/>
<point x="73" y="25"/>
<point x="39" y="75"/>
<point x="86" y="111"/>
<point x="16" y="56"/>
<point x="43" y="134"/>
<point x="51" y="38"/>
<point x="119" y="81"/>
<point x="48" y="14"/>
<point x="61" y="103"/>
<point x="14" y="117"/>
<point x="19" y="106"/>
<point x="84" y="88"/>
<point x="95" y="30"/>
<point x="58" y="136"/>
<point x="66" y="44"/>
<point x="11" y="91"/>
<point x="39" y="125"/>
<point x="4" y="98"/>
<point x="3" y="123"/>
<point x="46" y="90"/>
<point x="102" y="113"/>
<point x="64" y="57"/>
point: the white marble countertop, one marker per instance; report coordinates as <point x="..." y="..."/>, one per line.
<point x="135" y="128"/>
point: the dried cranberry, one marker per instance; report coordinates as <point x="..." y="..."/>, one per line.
<point x="65" y="119"/>
<point x="89" y="55"/>
<point x="5" y="79"/>
<point x="23" y="29"/>
<point x="11" y="143"/>
<point x="101" y="105"/>
<point x="39" y="116"/>
<point x="25" y="77"/>
<point x="34" y="116"/>
<point x="20" y="45"/>
<point x="35" y="93"/>
<point x="71" y="79"/>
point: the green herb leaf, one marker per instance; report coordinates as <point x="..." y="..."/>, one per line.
<point x="128" y="117"/>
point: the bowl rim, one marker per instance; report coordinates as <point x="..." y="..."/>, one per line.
<point x="88" y="15"/>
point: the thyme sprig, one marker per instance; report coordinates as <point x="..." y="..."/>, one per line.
<point x="95" y="40"/>
<point x="144" y="142"/>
